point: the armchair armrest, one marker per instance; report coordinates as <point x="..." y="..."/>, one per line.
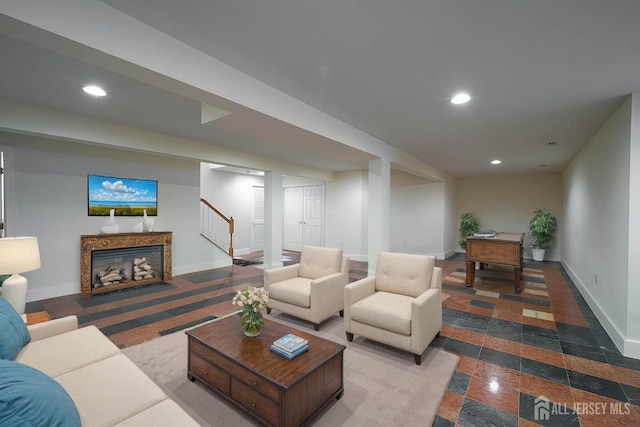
<point x="436" y="278"/>
<point x="357" y="290"/>
<point x="426" y="319"/>
<point x="334" y="280"/>
<point x="354" y="292"/>
<point x="52" y="327"/>
<point x="279" y="274"/>
<point x="328" y="291"/>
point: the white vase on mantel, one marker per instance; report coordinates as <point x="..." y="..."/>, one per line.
<point x="111" y="226"/>
<point x="147" y="223"/>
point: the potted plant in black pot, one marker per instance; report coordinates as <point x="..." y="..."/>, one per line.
<point x="468" y="227"/>
<point x="542" y="227"/>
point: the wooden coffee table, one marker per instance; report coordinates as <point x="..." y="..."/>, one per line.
<point x="273" y="390"/>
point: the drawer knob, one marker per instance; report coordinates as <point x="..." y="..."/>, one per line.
<point x="253" y="404"/>
<point x="255" y="383"/>
<point x="206" y="373"/>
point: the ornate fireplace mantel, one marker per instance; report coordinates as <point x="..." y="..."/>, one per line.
<point x="103" y="242"/>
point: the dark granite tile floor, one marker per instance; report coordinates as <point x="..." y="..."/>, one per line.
<point x="536" y="358"/>
<point x="539" y="358"/>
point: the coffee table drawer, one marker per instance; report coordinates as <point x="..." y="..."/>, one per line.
<point x="255" y="402"/>
<point x="210" y="373"/>
<point x="210" y="355"/>
<point x="255" y="382"/>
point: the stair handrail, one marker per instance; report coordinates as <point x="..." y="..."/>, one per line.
<point x="231" y="225"/>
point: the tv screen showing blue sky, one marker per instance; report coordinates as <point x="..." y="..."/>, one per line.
<point x="113" y="191"/>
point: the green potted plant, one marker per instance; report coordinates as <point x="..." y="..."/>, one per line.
<point x="468" y="227"/>
<point x="542" y="227"/>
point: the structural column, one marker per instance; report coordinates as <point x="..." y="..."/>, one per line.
<point x="273" y="219"/>
<point x="379" y="210"/>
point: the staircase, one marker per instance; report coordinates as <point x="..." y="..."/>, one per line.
<point x="216" y="227"/>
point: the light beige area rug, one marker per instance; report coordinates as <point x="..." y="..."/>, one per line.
<point x="382" y="386"/>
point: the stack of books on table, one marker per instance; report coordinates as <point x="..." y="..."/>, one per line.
<point x="290" y="346"/>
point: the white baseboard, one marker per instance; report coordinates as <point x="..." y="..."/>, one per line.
<point x="357" y="257"/>
<point x="447" y="254"/>
<point x="627" y="347"/>
<point x="240" y="252"/>
<point x="209" y="265"/>
<point x="38" y="294"/>
<point x="631" y="348"/>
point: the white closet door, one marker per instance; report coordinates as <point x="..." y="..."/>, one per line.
<point x="303" y="217"/>
<point x="293" y="218"/>
<point x="313" y="231"/>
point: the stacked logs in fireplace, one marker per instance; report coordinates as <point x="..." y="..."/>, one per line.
<point x="114" y="268"/>
<point x="114" y="274"/>
<point x="142" y="269"/>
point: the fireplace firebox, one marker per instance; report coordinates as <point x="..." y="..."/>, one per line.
<point x="116" y="261"/>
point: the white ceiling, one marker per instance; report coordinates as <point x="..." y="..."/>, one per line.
<point x="537" y="71"/>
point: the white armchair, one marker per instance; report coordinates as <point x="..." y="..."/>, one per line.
<point x="313" y="289"/>
<point x="401" y="306"/>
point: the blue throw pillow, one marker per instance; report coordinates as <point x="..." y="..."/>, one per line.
<point x="13" y="332"/>
<point x="28" y="397"/>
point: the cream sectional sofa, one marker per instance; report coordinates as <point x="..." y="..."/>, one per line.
<point x="106" y="387"/>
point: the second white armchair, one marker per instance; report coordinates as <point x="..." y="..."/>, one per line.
<point x="401" y="306"/>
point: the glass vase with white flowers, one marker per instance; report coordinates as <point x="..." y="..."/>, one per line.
<point x="252" y="301"/>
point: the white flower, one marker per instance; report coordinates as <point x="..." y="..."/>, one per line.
<point x="252" y="298"/>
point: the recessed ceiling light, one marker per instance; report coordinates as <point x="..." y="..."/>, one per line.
<point x="496" y="162"/>
<point x="460" y="98"/>
<point x="94" y="90"/>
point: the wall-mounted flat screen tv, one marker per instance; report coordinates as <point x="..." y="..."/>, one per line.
<point x="127" y="196"/>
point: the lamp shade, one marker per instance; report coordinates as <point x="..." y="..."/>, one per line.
<point x="19" y="254"/>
